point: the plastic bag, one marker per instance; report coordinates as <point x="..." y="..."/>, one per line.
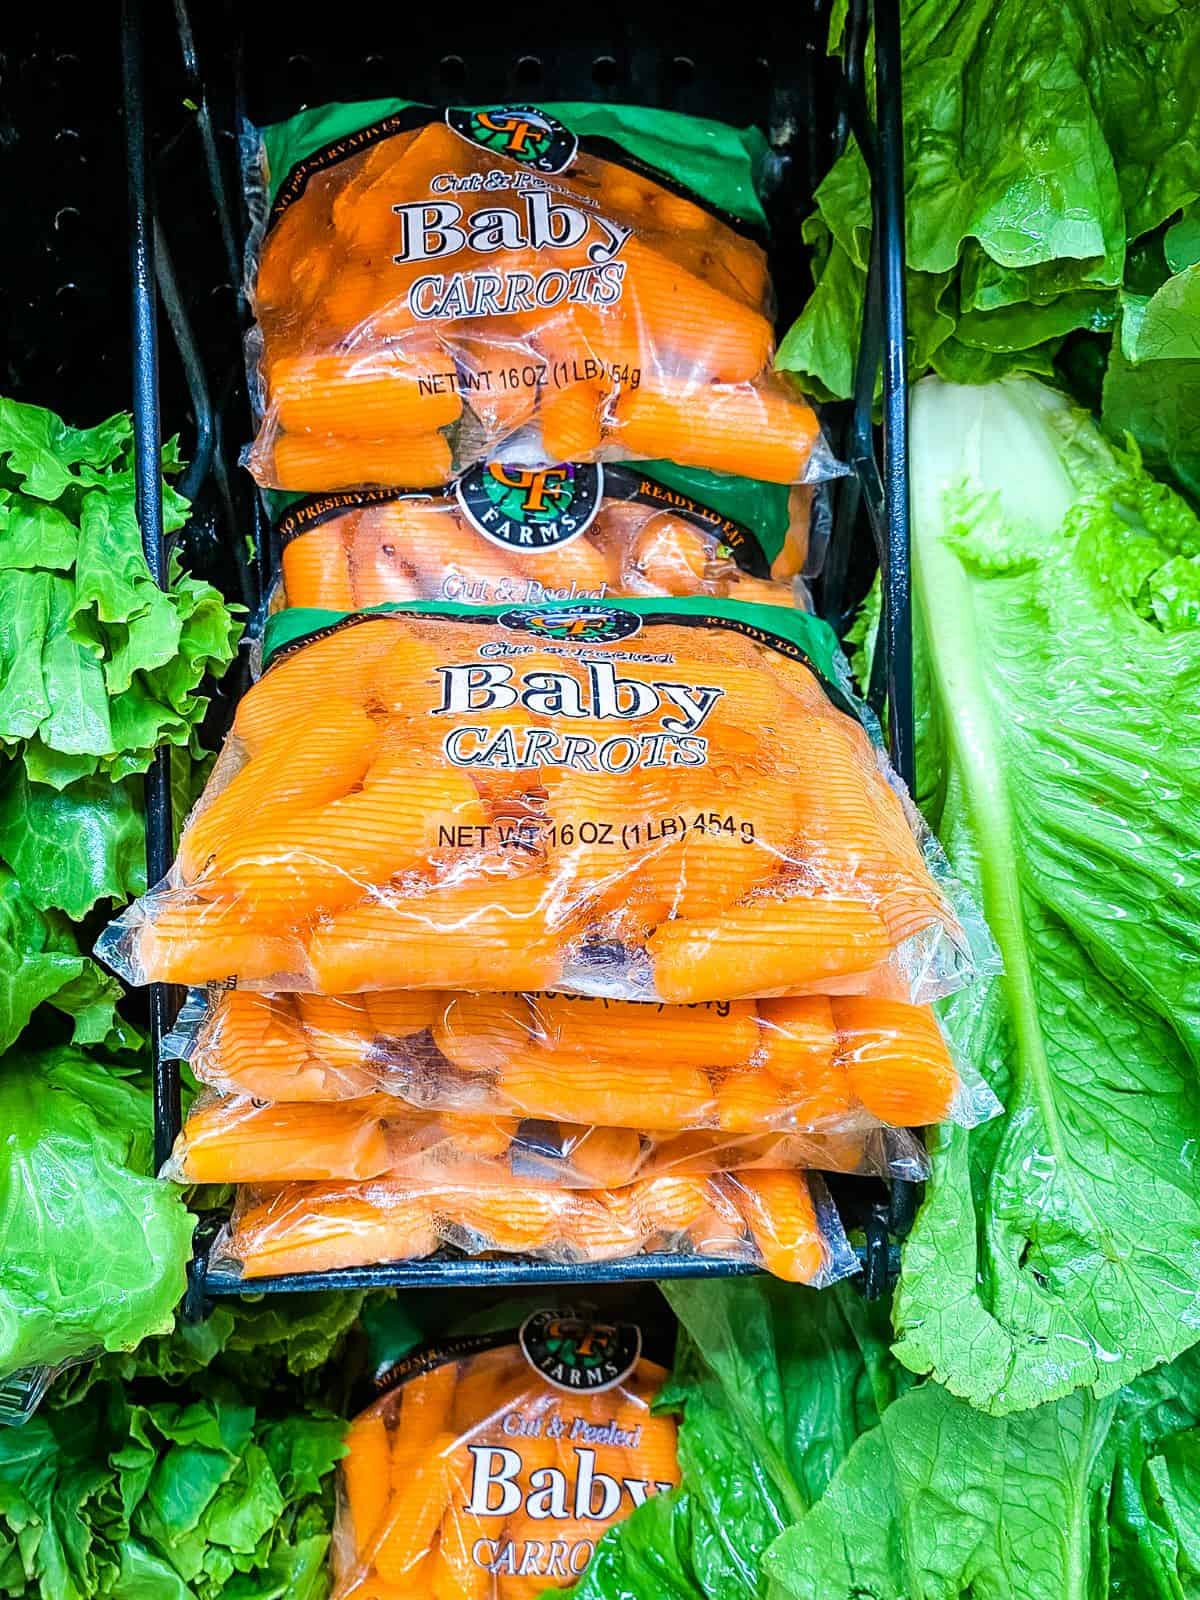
<point x="781" y="1220"/>
<point x="517" y="535"/>
<point x="433" y="288"/>
<point x="233" y="1139"/>
<point x="650" y="799"/>
<point x="492" y="1463"/>
<point x="818" y="1064"/>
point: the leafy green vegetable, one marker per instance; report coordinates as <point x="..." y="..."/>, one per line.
<point x="151" y="1499"/>
<point x="1081" y="1497"/>
<point x="1152" y="386"/>
<point x="814" y="1467"/>
<point x="257" y="1347"/>
<point x="98" y="666"/>
<point x="1030" y="167"/>
<point x="75" y="846"/>
<point x="92" y="1248"/>
<point x="40" y="960"/>
<point x="1058" y="592"/>
<point x="775" y="1384"/>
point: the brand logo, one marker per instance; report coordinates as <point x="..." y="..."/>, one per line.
<point x="522" y="133"/>
<point x="577" y="1356"/>
<point x="581" y="624"/>
<point x="528" y="508"/>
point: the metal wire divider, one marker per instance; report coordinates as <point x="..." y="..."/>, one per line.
<point x="882" y="494"/>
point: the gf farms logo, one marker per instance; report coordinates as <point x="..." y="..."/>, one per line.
<point x="530" y="509"/>
<point x="522" y="133"/>
<point x="576" y="624"/>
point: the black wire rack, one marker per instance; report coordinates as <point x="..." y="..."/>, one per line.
<point x="266" y="63"/>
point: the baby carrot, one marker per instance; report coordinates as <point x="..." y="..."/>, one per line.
<point x="365" y="1474"/>
<point x="316" y="461"/>
<point x="780" y="1214"/>
<point x="316" y="567"/>
<point x="369" y="395"/>
<point x="755" y="432"/>
<point x="773" y="946"/>
<point x="896" y="1060"/>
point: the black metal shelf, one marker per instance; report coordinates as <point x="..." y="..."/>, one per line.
<point x="266" y="62"/>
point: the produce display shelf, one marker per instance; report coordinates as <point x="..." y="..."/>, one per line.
<point x="776" y="74"/>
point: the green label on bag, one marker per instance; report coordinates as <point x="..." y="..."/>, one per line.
<point x="795" y="634"/>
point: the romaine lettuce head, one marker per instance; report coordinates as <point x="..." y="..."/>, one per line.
<point x="1058" y="601"/>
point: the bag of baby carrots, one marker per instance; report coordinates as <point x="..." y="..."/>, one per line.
<point x="779" y="1219"/>
<point x="523" y="535"/>
<point x="838" y="1065"/>
<point x="492" y="1462"/>
<point x="654" y="799"/>
<point x="233" y="1139"/>
<point x="578" y="282"/>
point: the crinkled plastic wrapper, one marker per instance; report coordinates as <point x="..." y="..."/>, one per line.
<point x="814" y="1064"/>
<point x="493" y="1463"/>
<point x="782" y="1221"/>
<point x="646" y="799"/>
<point x="232" y="1139"/>
<point x="518" y="535"/>
<point x="433" y="289"/>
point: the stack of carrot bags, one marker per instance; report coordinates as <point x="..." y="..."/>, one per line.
<point x="563" y="903"/>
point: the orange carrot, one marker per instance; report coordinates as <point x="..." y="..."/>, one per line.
<point x="571" y="421"/>
<point x="366" y="396"/>
<point x="672" y="555"/>
<point x="415" y="1513"/>
<point x="331" y="856"/>
<point x="724" y="1034"/>
<point x="327" y="751"/>
<point x="316" y="569"/>
<point x="398" y="1013"/>
<point x="239" y="1141"/>
<point x="473" y="935"/>
<point x="365" y="1474"/>
<point x="199" y="942"/>
<point x="798" y="1038"/>
<point x="316" y="461"/>
<point x="252" y="1044"/>
<point x="294" y="1231"/>
<point x="780" y="1214"/>
<point x="605" y="1158"/>
<point x="310" y="684"/>
<point x="482" y="1032"/>
<point x="772" y="946"/>
<point x="896" y="1060"/>
<point x="425" y="1406"/>
<point x="761" y="432"/>
<point x="636" y="1093"/>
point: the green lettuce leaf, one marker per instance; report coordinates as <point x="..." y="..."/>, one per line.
<point x="76" y="846"/>
<point x="92" y="1247"/>
<point x="98" y="666"/>
<point x="775" y="1385"/>
<point x="1030" y="168"/>
<point x="1152" y="385"/>
<point x="1082" y="1497"/>
<point x="128" y="1495"/>
<point x="40" y="961"/>
<point x="1058" y="1248"/>
<point x="257" y="1347"/>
